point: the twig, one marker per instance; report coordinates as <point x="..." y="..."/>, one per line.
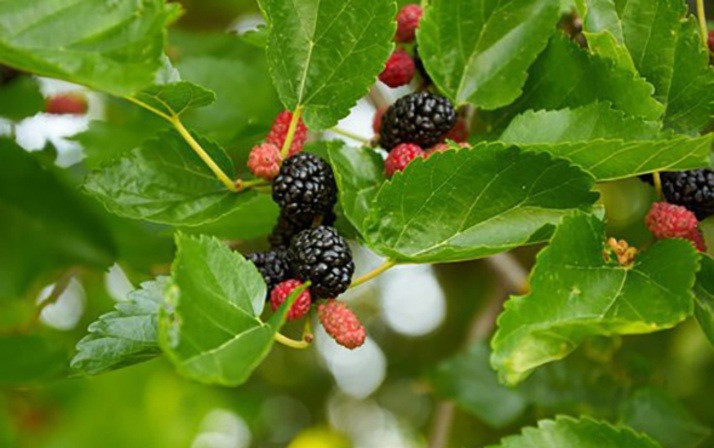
<point x="378" y="100"/>
<point x="515" y="278"/>
<point x="702" y="16"/>
<point x="373" y="273"/>
<point x="351" y="135"/>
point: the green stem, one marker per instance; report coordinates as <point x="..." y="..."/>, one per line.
<point x="701" y="15"/>
<point x="292" y="343"/>
<point x="254" y="183"/>
<point x="351" y="135"/>
<point x="198" y="149"/>
<point x="175" y="121"/>
<point x="373" y="273"/>
<point x="658" y="184"/>
<point x="291" y="132"/>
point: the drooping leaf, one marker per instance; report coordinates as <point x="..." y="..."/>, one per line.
<point x="607" y="143"/>
<point x="21" y="98"/>
<point x="324" y="55"/>
<point x="209" y="326"/>
<point x="575" y="293"/>
<point x="30" y="359"/>
<point x="359" y="173"/>
<point x="164" y="181"/>
<point x="118" y="50"/>
<point x="478" y="51"/>
<point x="567" y="432"/>
<point x="704" y="297"/>
<point x="471" y="203"/>
<point x="565" y="75"/>
<point x="126" y="336"/>
<point x="472" y="384"/>
<point x="656" y="413"/>
<point x="44" y="224"/>
<point x="175" y="98"/>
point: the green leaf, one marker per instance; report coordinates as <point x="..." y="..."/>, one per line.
<point x="575" y="293"/>
<point x="324" y="54"/>
<point x="472" y="384"/>
<point x="21" y="98"/>
<point x="30" y="359"/>
<point x="37" y="207"/>
<point x="478" y="51"/>
<point x="605" y="142"/>
<point x="665" y="48"/>
<point x="656" y="413"/>
<point x="124" y="127"/>
<point x="126" y="336"/>
<point x="567" y="432"/>
<point x="236" y="113"/>
<point x="175" y="98"/>
<point x="589" y="122"/>
<point x="250" y="220"/>
<point x="471" y="203"/>
<point x="359" y="173"/>
<point x="565" y="75"/>
<point x="209" y="326"/>
<point x="118" y="50"/>
<point x="164" y="181"/>
<point x="704" y="297"/>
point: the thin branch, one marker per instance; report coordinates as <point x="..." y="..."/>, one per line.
<point x="702" y="17"/>
<point x="352" y="135"/>
<point x="373" y="273"/>
<point x="291" y="132"/>
<point x="441" y="429"/>
<point x="377" y="99"/>
<point x="292" y="343"/>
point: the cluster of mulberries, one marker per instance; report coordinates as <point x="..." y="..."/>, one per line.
<point x="304" y="247"/>
<point x="418" y="124"/>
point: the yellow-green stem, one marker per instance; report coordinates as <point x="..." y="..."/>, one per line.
<point x="217" y="171"/>
<point x="373" y="273"/>
<point x="291" y="132"/>
<point x="701" y="15"/>
<point x="253" y="183"/>
<point x="292" y="343"/>
<point x="353" y="136"/>
<point x="658" y="184"/>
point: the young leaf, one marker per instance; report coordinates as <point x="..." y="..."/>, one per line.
<point x="164" y="181"/>
<point x="478" y="51"/>
<point x="359" y="173"/>
<point x="324" y="54"/>
<point x="704" y="295"/>
<point x="471" y="203"/>
<point x="175" y="98"/>
<point x="126" y="336"/>
<point x="565" y="75"/>
<point x="567" y="432"/>
<point x="46" y="225"/>
<point x="666" y="49"/>
<point x="472" y="384"/>
<point x="605" y="142"/>
<point x="210" y="326"/>
<point x="118" y="50"/>
<point x="575" y="293"/>
<point x="656" y="413"/>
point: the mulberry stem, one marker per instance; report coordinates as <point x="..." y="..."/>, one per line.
<point x="291" y="132"/>
<point x="373" y="273"/>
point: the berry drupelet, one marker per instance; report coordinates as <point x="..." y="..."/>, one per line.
<point x="322" y="256"/>
<point x="692" y="189"/>
<point x="305" y="187"/>
<point x="421" y="118"/>
<point x="273" y="266"/>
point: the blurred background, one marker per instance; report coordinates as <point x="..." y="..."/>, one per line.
<point x="421" y="380"/>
